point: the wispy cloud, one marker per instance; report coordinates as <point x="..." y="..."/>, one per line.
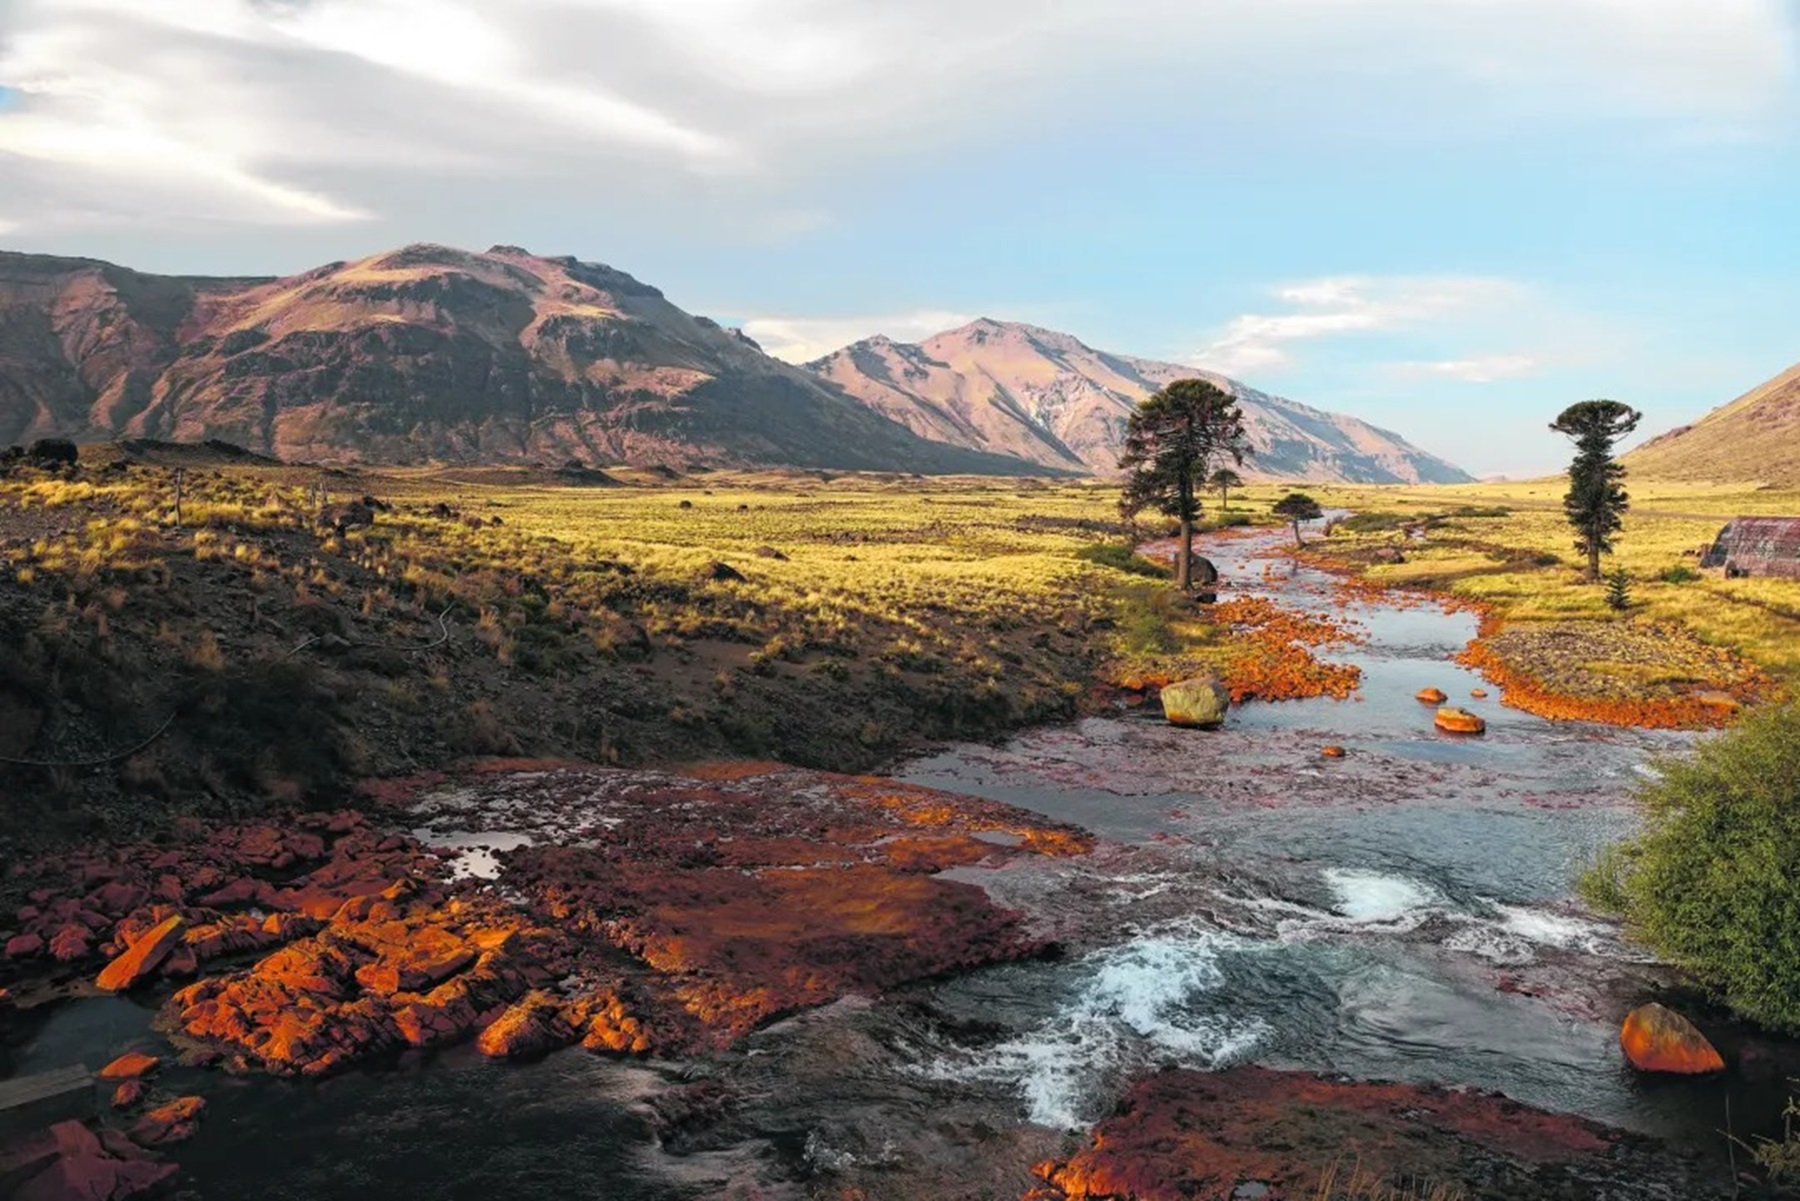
<point x="308" y="111"/>
<point x="1342" y="305"/>
<point x="1485" y="369"/>
<point x="802" y="339"/>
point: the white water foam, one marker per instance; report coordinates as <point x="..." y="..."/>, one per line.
<point x="476" y="856"/>
<point x="1136" y="1006"/>
<point x="1364" y="896"/>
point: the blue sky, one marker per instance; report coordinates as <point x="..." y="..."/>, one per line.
<point x="1450" y="217"/>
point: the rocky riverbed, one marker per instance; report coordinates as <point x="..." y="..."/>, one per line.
<point x="1111" y="959"/>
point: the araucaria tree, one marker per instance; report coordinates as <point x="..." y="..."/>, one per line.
<point x="1223" y="481"/>
<point x="1597" y="499"/>
<point x="1172" y="441"/>
<point x="1298" y="507"/>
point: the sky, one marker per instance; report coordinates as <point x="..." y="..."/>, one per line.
<point x="1448" y="217"/>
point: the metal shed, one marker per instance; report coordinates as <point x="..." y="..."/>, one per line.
<point x="1758" y="546"/>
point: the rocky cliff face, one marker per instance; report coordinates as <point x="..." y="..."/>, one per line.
<point x="423" y="354"/>
<point x="1052" y="399"/>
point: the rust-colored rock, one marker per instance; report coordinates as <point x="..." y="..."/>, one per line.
<point x="143" y="956"/>
<point x="1479" y="694"/>
<point x="129" y="1093"/>
<point x="172" y="1122"/>
<point x="1657" y="1039"/>
<point x="1196" y="1136"/>
<point x="130" y="1066"/>
<point x="90" y="1169"/>
<point x="1333" y="752"/>
<point x="1431" y="696"/>
<point x="1459" y="721"/>
<point x="24" y="946"/>
<point x="532" y="1027"/>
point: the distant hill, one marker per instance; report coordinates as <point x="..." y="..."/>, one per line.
<point x="423" y="354"/>
<point x="1050" y="398"/>
<point x="1754" y="439"/>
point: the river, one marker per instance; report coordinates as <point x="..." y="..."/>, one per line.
<point x="1403" y="913"/>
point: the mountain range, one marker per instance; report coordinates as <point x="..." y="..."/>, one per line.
<point x="1754" y="438"/>
<point x="433" y="354"/>
<point x="1053" y="399"/>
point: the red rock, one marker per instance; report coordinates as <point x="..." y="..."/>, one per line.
<point x="130" y="1066"/>
<point x="1431" y="696"/>
<point x="23" y="946"/>
<point x="172" y="1122"/>
<point x="1459" y="721"/>
<point x="1656" y="1039"/>
<point x="1181" y="1135"/>
<point x="532" y="1027"/>
<point x="130" y="1093"/>
<point x="117" y="898"/>
<point x="1333" y="752"/>
<point x="143" y="956"/>
<point x="87" y="1170"/>
<point x="73" y="942"/>
<point x="1478" y="693"/>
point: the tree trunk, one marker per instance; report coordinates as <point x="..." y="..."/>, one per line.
<point x="1593" y="567"/>
<point x="1184" y="556"/>
<point x="1297" y="539"/>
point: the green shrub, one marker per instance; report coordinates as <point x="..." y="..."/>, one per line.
<point x="1121" y="557"/>
<point x="1374" y="523"/>
<point x="1712" y="883"/>
<point x="1480" y="511"/>
<point x="1146" y="617"/>
<point x="1679" y="574"/>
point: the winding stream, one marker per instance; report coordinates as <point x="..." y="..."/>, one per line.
<point x="1403" y="913"/>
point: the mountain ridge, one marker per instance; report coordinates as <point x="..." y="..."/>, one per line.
<point x="426" y="353"/>
<point x="1047" y="396"/>
<point x="1754" y="438"/>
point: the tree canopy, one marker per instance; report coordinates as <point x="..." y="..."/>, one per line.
<point x="1172" y="441"/>
<point x="1298" y="507"/>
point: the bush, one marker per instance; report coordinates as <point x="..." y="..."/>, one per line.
<point x="1480" y="511"/>
<point x="1121" y="557"/>
<point x="1711" y="883"/>
<point x="1680" y="574"/>
<point x="1374" y="523"/>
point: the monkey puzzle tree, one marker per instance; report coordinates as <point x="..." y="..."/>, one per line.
<point x="1223" y="481"/>
<point x="1597" y="500"/>
<point x="1298" y="507"/>
<point x="1171" y="442"/>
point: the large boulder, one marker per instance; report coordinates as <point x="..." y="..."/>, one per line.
<point x="143" y="956"/>
<point x="1200" y="703"/>
<point x="1656" y="1039"/>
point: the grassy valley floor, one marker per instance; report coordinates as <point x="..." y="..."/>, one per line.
<point x="1691" y="646"/>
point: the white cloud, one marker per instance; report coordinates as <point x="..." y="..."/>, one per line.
<point x="802" y="339"/>
<point x="1350" y="304"/>
<point x="1485" y="369"/>
<point x="320" y="110"/>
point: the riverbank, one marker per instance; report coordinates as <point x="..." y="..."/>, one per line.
<point x="294" y="630"/>
<point x="761" y="981"/>
<point x="1688" y="650"/>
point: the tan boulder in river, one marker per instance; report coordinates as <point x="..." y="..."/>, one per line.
<point x="1200" y="703"/>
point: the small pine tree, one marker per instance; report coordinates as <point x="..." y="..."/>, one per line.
<point x="1618" y="590"/>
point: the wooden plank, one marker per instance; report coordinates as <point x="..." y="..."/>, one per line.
<point x="33" y="1102"/>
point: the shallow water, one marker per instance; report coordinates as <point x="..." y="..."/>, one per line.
<point x="1403" y="913"/>
<point x="1356" y="916"/>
